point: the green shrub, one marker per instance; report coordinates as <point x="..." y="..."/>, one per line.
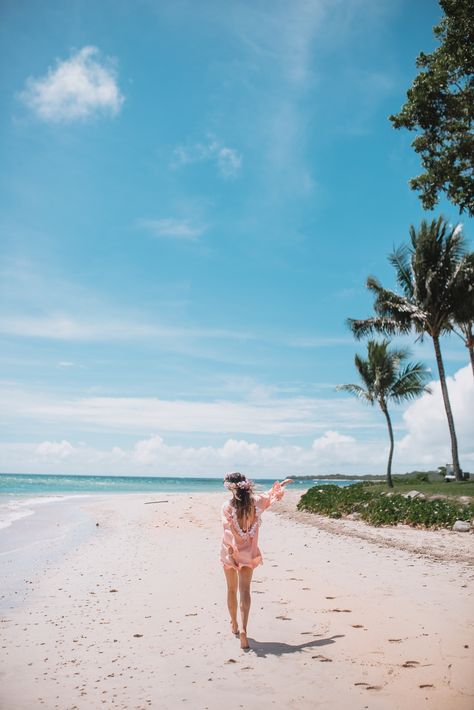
<point x="379" y="509"/>
<point x="415" y="477"/>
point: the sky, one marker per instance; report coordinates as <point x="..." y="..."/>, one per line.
<point x="192" y="197"/>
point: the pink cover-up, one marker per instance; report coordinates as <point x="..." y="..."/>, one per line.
<point x="246" y="552"/>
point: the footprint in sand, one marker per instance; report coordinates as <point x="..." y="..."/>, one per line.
<point x="348" y="611"/>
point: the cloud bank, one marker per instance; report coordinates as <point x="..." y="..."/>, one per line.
<point x="361" y="446"/>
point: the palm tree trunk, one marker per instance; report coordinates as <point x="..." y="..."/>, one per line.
<point x="470" y="344"/>
<point x="447" y="406"/>
<point x="390" y="455"/>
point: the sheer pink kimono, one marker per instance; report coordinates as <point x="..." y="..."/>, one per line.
<point x="244" y="544"/>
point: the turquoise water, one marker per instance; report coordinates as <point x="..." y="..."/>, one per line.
<point x="47" y="484"/>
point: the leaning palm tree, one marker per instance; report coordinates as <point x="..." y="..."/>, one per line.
<point x="387" y="377"/>
<point x="429" y="272"/>
<point x="463" y="318"/>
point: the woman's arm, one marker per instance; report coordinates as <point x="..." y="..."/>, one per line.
<point x="275" y="493"/>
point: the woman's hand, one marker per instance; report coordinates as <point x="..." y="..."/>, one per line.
<point x="287" y="481"/>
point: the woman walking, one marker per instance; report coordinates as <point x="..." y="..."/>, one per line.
<point x="240" y="553"/>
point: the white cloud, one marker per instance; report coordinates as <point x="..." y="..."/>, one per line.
<point x="227" y="160"/>
<point x="170" y="227"/>
<point x="147" y="451"/>
<point x="77" y="88"/>
<point x="319" y="341"/>
<point x="277" y="416"/>
<point x="62" y="326"/>
<point x="55" y="449"/>
<point x="428" y="436"/>
<point x="331" y="440"/>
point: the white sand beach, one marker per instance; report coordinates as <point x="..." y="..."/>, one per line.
<point x="135" y="616"/>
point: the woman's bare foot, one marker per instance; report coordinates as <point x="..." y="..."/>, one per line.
<point x="235" y="627"/>
<point x="243" y="641"/>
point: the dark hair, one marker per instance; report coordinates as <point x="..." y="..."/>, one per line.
<point x="242" y="498"/>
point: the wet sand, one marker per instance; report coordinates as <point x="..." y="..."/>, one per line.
<point x="135" y="617"/>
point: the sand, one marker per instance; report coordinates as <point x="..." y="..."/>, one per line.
<point x="135" y="617"/>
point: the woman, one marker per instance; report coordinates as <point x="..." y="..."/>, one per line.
<point x="239" y="550"/>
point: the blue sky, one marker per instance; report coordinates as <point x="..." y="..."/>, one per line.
<point x="192" y="196"/>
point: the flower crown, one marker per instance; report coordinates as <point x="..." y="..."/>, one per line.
<point x="243" y="485"/>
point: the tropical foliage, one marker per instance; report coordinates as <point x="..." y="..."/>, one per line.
<point x="463" y="316"/>
<point x="383" y="509"/>
<point x="387" y="377"/>
<point x="431" y="273"/>
<point x="440" y="108"/>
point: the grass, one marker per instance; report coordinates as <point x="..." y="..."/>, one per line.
<point x="372" y="504"/>
<point x="428" y="488"/>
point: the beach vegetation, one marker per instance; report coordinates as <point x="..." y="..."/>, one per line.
<point x="380" y="508"/>
<point x="387" y="377"/>
<point x="431" y="274"/>
<point x="440" y="109"/>
<point x="463" y="315"/>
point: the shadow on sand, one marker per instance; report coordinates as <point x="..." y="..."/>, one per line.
<point x="274" y="648"/>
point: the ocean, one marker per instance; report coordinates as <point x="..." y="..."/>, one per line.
<point x="21" y="494"/>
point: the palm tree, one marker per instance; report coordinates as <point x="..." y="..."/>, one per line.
<point x="463" y="319"/>
<point x="387" y="377"/>
<point x="429" y="273"/>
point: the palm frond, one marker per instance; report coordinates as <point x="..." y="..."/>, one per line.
<point x="400" y="259"/>
<point x="386" y="375"/>
<point x="410" y="383"/>
<point x="379" y="324"/>
<point x="357" y="391"/>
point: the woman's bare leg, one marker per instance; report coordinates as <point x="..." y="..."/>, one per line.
<point x="232" y="583"/>
<point x="245" y="578"/>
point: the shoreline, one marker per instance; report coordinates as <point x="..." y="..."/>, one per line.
<point x="32" y="543"/>
<point x="134" y="616"/>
